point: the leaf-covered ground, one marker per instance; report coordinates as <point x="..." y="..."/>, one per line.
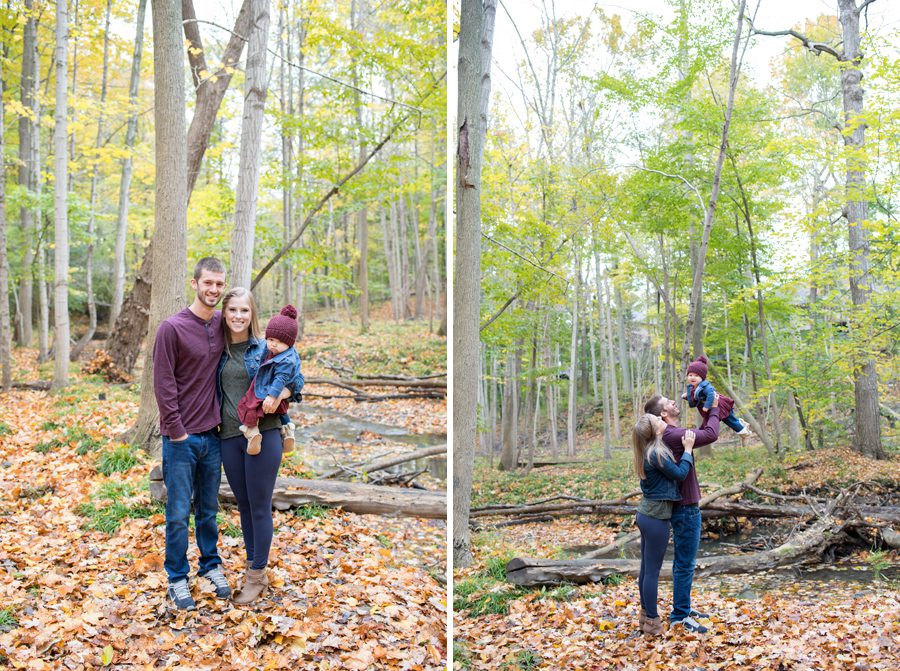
<point x="82" y="543"/>
<point x="840" y="616"/>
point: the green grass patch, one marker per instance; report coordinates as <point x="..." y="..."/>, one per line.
<point x="525" y="660"/>
<point x="227" y="527"/>
<point x="71" y="436"/>
<point x="8" y="620"/>
<point x="117" y="460"/>
<point x="384" y="541"/>
<point x="564" y="592"/>
<point x="310" y="511"/>
<point x="482" y="595"/>
<point x="461" y="656"/>
<point x="496" y="567"/>
<point x="110" y="506"/>
<point x="5" y="429"/>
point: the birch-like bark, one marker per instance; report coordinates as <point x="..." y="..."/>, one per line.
<point x="573" y="366"/>
<point x="60" y="205"/>
<point x="255" y="89"/>
<point x="95" y="177"/>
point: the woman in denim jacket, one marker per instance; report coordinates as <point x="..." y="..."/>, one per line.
<point x="655" y="465"/>
<point x="251" y="478"/>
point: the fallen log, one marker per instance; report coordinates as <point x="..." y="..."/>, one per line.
<point x="808" y="545"/>
<point x="351" y="496"/>
<point x="385" y="462"/>
<point x="541" y="463"/>
<point x="633" y="536"/>
<point x="411" y="383"/>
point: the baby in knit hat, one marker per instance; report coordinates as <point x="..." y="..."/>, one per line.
<point x="281" y="366"/>
<point x="700" y="394"/>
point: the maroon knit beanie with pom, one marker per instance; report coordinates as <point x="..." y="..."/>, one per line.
<point x="698" y="366"/>
<point x="283" y="326"/>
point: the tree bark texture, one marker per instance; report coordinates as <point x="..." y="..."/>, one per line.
<point x="475" y="44"/>
<point x="27" y="176"/>
<point x="170" y="231"/>
<point x="60" y="203"/>
<point x="865" y="377"/>
<point x="5" y="331"/>
<point x="251" y="146"/>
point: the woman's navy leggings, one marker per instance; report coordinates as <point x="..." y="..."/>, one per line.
<point x="654" y="540"/>
<point x="252" y="479"/>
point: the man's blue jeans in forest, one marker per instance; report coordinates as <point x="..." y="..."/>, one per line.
<point x="192" y="471"/>
<point x="686" y="538"/>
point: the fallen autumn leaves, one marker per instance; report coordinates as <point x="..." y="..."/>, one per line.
<point x="350" y="592"/>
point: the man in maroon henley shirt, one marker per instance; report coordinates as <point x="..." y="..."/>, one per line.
<point x="685" y="513"/>
<point x="186" y="355"/>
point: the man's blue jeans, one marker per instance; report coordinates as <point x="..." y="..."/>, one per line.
<point x="686" y="538"/>
<point x="192" y="471"/>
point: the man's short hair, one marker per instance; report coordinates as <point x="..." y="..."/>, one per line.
<point x="209" y="264"/>
<point x="655" y="405"/>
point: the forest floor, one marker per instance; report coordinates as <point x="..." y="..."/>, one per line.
<point x="839" y="615"/>
<point x="82" y="542"/>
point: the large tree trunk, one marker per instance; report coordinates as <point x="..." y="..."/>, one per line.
<point x="357" y="10"/>
<point x="118" y="279"/>
<point x="5" y="331"/>
<point x="60" y="204"/>
<point x="170" y="221"/>
<point x="27" y="175"/>
<point x="251" y="146"/>
<point x="475" y="42"/>
<point x="95" y="177"/>
<point x="865" y="377"/>
<point x="131" y="326"/>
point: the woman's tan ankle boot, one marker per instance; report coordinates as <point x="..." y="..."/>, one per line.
<point x="642" y="618"/>
<point x="652" y="626"/>
<point x="256" y="584"/>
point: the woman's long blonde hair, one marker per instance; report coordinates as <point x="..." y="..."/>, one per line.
<point x="648" y="444"/>
<point x="239" y="292"/>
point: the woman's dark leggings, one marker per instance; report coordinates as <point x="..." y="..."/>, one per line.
<point x="252" y="479"/>
<point x="654" y="540"/>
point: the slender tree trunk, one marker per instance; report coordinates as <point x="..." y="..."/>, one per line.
<point x="43" y="301"/>
<point x="865" y="377"/>
<point x="694" y="322"/>
<point x="573" y="365"/>
<point x="60" y="205"/>
<point x="251" y="146"/>
<point x="170" y="233"/>
<point x="610" y="358"/>
<point x="27" y="176"/>
<point x="510" y="443"/>
<point x="475" y="43"/>
<point x="5" y="331"/>
<point x="622" y="340"/>
<point x="286" y="103"/>
<point x="125" y="183"/>
<point x="95" y="177"/>
<point x="591" y="344"/>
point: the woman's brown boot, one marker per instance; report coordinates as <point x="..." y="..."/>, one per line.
<point x="652" y="626"/>
<point x="256" y="584"/>
<point x="641" y="619"/>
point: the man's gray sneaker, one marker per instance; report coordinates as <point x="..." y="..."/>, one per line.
<point x="218" y="581"/>
<point x="697" y="615"/>
<point x="690" y="624"/>
<point x="180" y="593"/>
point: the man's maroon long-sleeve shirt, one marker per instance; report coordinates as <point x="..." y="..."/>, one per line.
<point x="186" y="356"/>
<point x="706" y="434"/>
